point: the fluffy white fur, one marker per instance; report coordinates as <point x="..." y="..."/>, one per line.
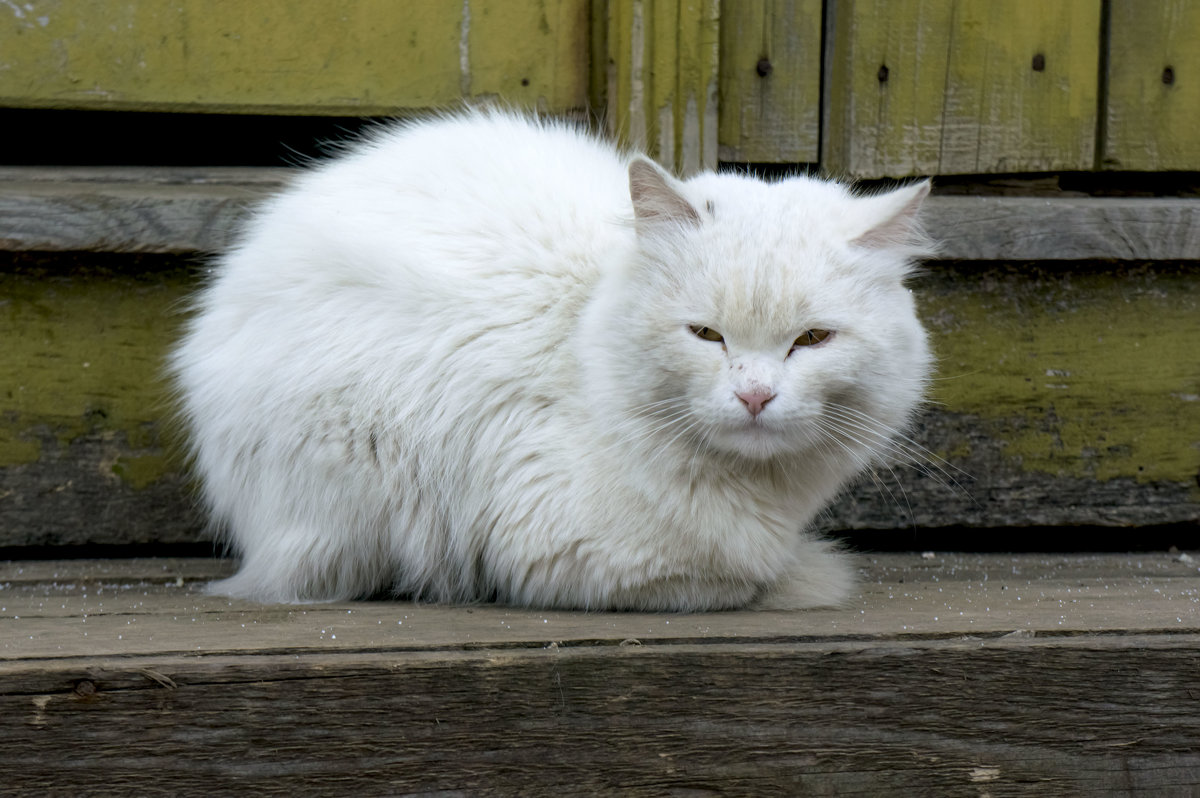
<point x="460" y="363"/>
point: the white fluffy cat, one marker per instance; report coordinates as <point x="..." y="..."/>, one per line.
<point x="485" y="358"/>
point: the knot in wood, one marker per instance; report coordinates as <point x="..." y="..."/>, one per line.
<point x="763" y="67"/>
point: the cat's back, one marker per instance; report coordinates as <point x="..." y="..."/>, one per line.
<point x="486" y="195"/>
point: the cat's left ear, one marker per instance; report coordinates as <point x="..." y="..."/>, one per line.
<point x="656" y="195"/>
<point x="892" y="219"/>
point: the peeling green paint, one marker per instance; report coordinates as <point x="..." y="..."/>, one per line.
<point x="352" y="57"/>
<point x="83" y="350"/>
<point x="17" y="450"/>
<point x="141" y="471"/>
<point x="1093" y="372"/>
<point x="1085" y="372"/>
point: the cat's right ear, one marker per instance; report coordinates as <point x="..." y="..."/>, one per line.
<point x="656" y="196"/>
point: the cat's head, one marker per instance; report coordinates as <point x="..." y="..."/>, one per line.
<point x="768" y="319"/>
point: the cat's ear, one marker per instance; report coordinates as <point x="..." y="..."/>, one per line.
<point x="656" y="196"/>
<point x="892" y="219"/>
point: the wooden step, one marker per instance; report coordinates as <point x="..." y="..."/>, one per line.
<point x="946" y="674"/>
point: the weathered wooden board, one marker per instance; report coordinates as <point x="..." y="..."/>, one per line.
<point x="770" y="81"/>
<point x="184" y="210"/>
<point x="960" y="87"/>
<point x="1065" y="229"/>
<point x="661" y="66"/>
<point x="1153" y="86"/>
<point x="82" y="402"/>
<point x="293" y="56"/>
<point x="128" y="210"/>
<point x="1065" y="395"/>
<point x="68" y="609"/>
<point x="1081" y="685"/>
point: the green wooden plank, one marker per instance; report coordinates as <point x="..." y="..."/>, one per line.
<point x="1153" y="108"/>
<point x="662" y="79"/>
<point x="960" y="86"/>
<point x="770" y="81"/>
<point x="83" y="437"/>
<point x="355" y="57"/>
<point x="1067" y="396"/>
<point x="1095" y="373"/>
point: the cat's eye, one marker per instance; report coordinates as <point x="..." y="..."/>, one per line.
<point x="813" y="337"/>
<point x="707" y="333"/>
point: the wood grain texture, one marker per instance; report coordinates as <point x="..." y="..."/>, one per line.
<point x="1153" y="86"/>
<point x="469" y="700"/>
<point x="198" y="210"/>
<point x="1064" y="229"/>
<point x="357" y="57"/>
<point x="770" y="81"/>
<point x="71" y="609"/>
<point x="951" y="87"/>
<point x="661" y="91"/>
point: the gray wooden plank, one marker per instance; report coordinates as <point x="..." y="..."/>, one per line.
<point x="1069" y="228"/>
<point x="128" y="210"/>
<point x="894" y="694"/>
<point x="789" y="719"/>
<point x="74" y="610"/>
<point x="182" y="210"/>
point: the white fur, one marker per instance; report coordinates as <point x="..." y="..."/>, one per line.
<point x="450" y="364"/>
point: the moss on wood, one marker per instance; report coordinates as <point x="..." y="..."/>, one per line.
<point x="1093" y="371"/>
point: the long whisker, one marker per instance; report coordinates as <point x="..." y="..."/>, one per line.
<point x="834" y="432"/>
<point x="892" y="432"/>
<point x="912" y="453"/>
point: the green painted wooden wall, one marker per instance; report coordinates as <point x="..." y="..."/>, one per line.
<point x="355" y="57"/>
<point x="904" y="88"/>
<point x="1153" y="79"/>
<point x="1072" y="393"/>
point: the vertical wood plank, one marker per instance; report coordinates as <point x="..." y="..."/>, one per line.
<point x="961" y="87"/>
<point x="1153" y="110"/>
<point x="531" y="54"/>
<point x="770" y="113"/>
<point x="662" y="87"/>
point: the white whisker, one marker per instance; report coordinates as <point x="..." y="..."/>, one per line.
<point x="908" y="451"/>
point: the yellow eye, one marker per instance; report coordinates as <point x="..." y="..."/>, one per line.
<point x="707" y="333"/>
<point x="813" y="337"/>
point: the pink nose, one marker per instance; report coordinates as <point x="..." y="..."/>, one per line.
<point x="755" y="401"/>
